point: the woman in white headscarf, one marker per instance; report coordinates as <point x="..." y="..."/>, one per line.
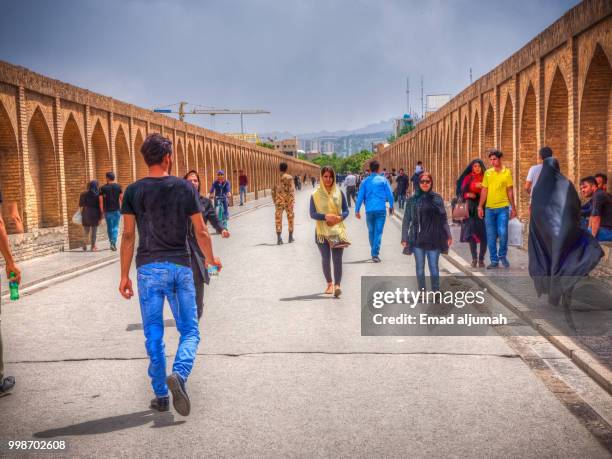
<point x="329" y="208"/>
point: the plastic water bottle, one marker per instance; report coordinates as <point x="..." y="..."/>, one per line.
<point x="13" y="287"/>
<point x="212" y="270"/>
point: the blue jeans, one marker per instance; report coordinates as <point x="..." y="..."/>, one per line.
<point x="603" y="234"/>
<point x="433" y="256"/>
<point x="224" y="204"/>
<point x="112" y="225"/>
<point x="496" y="222"/>
<point x="243" y="192"/>
<point x="402" y="200"/>
<point x="157" y="281"/>
<point x="376" y="222"/>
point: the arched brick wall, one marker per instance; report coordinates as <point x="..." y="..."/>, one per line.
<point x="10" y="177"/>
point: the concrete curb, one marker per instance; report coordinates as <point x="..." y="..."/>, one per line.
<point x="582" y="358"/>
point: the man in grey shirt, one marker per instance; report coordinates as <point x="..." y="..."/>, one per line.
<point x="351" y="185"/>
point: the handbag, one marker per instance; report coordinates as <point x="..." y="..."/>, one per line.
<point x="77" y="218"/>
<point x="461" y="210"/>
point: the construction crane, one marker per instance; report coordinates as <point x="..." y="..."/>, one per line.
<point x="209" y="111"/>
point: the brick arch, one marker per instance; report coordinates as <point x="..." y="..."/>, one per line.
<point x="124" y="159"/>
<point x="76" y="176"/>
<point x="142" y="170"/>
<point x="555" y="134"/>
<point x="475" y="151"/>
<point x="43" y="177"/>
<point x="200" y="159"/>
<point x="209" y="164"/>
<point x="465" y="154"/>
<point x="10" y="177"/>
<point x="180" y="168"/>
<point x="527" y="145"/>
<point x="596" y="117"/>
<point x="506" y="143"/>
<point x="101" y="154"/>
<point x="191" y="159"/>
<point x="489" y="130"/>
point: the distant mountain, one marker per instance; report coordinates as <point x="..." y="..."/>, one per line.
<point x="381" y="126"/>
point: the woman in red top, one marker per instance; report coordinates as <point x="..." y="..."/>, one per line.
<point x="473" y="229"/>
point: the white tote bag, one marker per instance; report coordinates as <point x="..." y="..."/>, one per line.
<point x="77" y="218"/>
<point x="515" y="232"/>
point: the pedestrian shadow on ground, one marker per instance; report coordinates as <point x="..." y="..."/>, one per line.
<point x="266" y="244"/>
<point x="367" y="260"/>
<point x="167" y="323"/>
<point x="313" y="296"/>
<point x="113" y="424"/>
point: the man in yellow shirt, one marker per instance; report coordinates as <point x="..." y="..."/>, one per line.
<point x="498" y="199"/>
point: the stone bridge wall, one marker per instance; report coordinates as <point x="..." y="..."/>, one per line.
<point x="55" y="138"/>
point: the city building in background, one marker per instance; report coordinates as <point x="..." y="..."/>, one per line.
<point x="250" y="138"/>
<point x="433" y="102"/>
<point x="288" y="147"/>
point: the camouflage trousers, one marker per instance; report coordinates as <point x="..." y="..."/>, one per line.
<point x="278" y="217"/>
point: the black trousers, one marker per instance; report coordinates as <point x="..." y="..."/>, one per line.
<point x="198" y="282"/>
<point x="483" y="249"/>
<point x="350" y="193"/>
<point x="327" y="256"/>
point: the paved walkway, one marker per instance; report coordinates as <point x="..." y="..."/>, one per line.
<point x="282" y="369"/>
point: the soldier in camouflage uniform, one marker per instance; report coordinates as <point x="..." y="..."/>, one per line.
<point x="283" y="196"/>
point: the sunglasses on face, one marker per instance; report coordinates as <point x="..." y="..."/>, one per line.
<point x="425" y="182"/>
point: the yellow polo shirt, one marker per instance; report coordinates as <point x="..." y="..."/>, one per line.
<point x="497" y="184"/>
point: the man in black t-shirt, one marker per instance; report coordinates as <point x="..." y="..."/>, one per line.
<point x="600" y="220"/>
<point x="161" y="206"/>
<point x="111" y="196"/>
<point x="6" y="384"/>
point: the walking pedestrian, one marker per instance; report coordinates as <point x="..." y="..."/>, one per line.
<point x="162" y="205"/>
<point x="560" y="251"/>
<point x="243" y="183"/>
<point x="6" y="382"/>
<point x="425" y="231"/>
<point x="600" y="219"/>
<point x="473" y="230"/>
<point x="329" y="207"/>
<point x="498" y="197"/>
<point x="418" y="170"/>
<point x="534" y="171"/>
<point x="283" y="196"/>
<point x="313" y="181"/>
<point x="375" y="192"/>
<point x="111" y="196"/>
<point x="402" y="188"/>
<point x="198" y="260"/>
<point x="91" y="214"/>
<point x="351" y="182"/>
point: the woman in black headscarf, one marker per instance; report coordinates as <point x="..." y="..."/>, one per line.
<point x="200" y="273"/>
<point x="560" y="252"/>
<point x="91" y="214"/>
<point x="473" y="229"/>
<point x="425" y="230"/>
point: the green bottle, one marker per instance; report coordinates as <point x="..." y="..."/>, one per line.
<point x="13" y="287"/>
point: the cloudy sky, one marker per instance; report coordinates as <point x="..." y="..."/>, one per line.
<point x="315" y="64"/>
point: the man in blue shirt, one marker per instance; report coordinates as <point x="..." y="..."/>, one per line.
<point x="375" y="192"/>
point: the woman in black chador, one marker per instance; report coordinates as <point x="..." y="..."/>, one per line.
<point x="473" y="231"/>
<point x="560" y="252"/>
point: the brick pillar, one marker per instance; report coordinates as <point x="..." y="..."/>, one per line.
<point x="573" y="115"/>
<point x="59" y="141"/>
<point x="88" y="145"/>
<point x="132" y="139"/>
<point x="111" y="137"/>
<point x="22" y="137"/>
<point x="540" y="105"/>
<point x="480" y="127"/>
<point x="496" y="119"/>
<point x="515" y="135"/>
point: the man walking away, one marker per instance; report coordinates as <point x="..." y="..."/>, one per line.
<point x="283" y="196"/>
<point x="402" y="188"/>
<point x="6" y="384"/>
<point x="111" y="196"/>
<point x="534" y="171"/>
<point x="498" y="198"/>
<point x="161" y="205"/>
<point x="351" y="182"/>
<point x="375" y="192"/>
<point x="600" y="219"/>
<point x="418" y="170"/>
<point x="243" y="183"/>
